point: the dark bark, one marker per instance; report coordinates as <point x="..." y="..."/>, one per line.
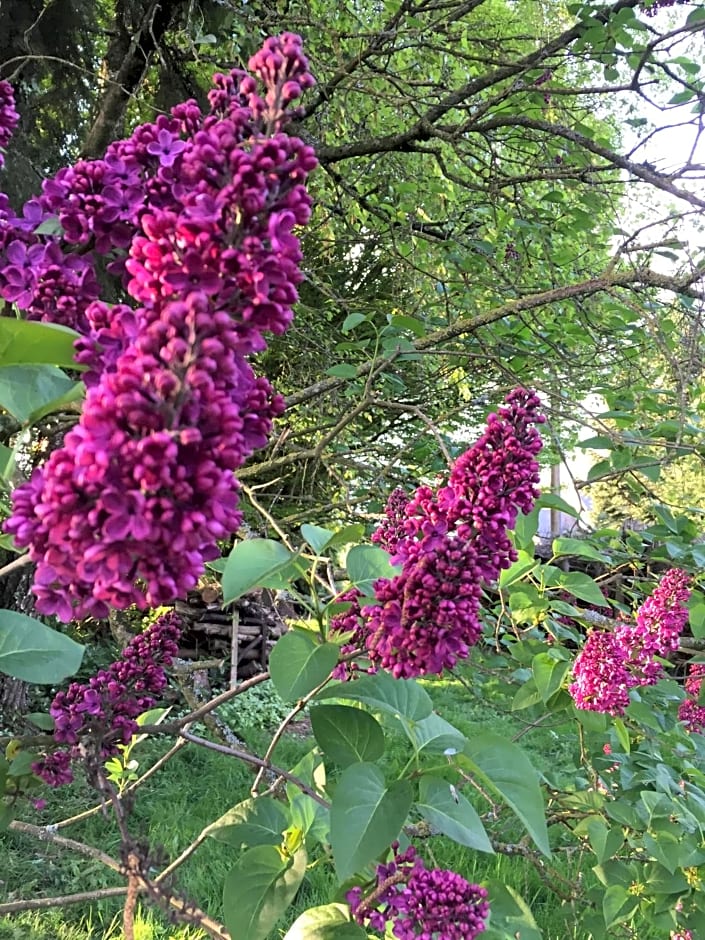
<point x="137" y="36"/>
<point x="14" y="595"/>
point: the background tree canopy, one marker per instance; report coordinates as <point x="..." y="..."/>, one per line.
<point x="481" y="213"/>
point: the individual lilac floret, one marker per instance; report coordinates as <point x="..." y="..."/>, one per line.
<point x="418" y="902"/>
<point x="9" y="118"/>
<point x="105" y="709"/>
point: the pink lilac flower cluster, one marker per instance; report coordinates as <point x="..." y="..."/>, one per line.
<point x="601" y="675"/>
<point x="690" y="712"/>
<point x="610" y="664"/>
<point x="132" y="505"/>
<point x="450" y="543"/>
<point x="105" y="709"/>
<point x="9" y="118"/>
<point x="433" y="904"/>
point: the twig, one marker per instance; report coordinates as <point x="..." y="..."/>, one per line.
<point x="15" y="563"/>
<point x="185" y="910"/>
<point x="256" y="762"/>
<point x="186" y="854"/>
<point x="39" y="904"/>
<point x="169" y="727"/>
<point x="277" y="736"/>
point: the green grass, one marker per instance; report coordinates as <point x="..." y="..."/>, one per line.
<point x="196" y="786"/>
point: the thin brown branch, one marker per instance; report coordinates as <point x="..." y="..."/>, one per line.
<point x="186" y="911"/>
<point x="62" y="900"/>
<point x="256" y="762"/>
<point x="468" y="325"/>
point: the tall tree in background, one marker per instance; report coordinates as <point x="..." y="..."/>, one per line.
<point x="471" y="228"/>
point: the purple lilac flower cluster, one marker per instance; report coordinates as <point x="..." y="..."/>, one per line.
<point x="105" y="709"/>
<point x="690" y="712"/>
<point x="451" y="543"/>
<point x="433" y="904"/>
<point x="610" y="664"/>
<point x="128" y="510"/>
<point x="9" y="118"/>
<point x="391" y="529"/>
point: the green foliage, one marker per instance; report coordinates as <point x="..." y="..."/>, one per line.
<point x="299" y="663"/>
<point x="330" y="922"/>
<point x="31" y="651"/>
<point x="259" y="888"/>
<point x="366" y="816"/>
<point x="24" y="342"/>
<point x="259" y="707"/>
<point x="347" y="735"/>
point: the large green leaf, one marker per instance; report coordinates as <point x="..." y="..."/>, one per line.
<point x="366" y="816"/>
<point x="252" y="822"/>
<point x="524" y="564"/>
<point x="365" y="564"/>
<point x="383" y="692"/>
<point x="551" y="501"/>
<point x="510" y="915"/>
<point x="309" y="817"/>
<point x="347" y="735"/>
<point x="259" y="563"/>
<point x="33" y="652"/>
<point x="29" y="392"/>
<point x="578" y="548"/>
<point x="582" y="585"/>
<point x="434" y="735"/>
<point x="258" y="889"/>
<point x="548" y="674"/>
<point x="618" y="905"/>
<point x="448" y="811"/>
<point x="28" y="341"/>
<point x="316" y="536"/>
<point x="298" y="663"/>
<point x="506" y="768"/>
<point x="330" y="922"/>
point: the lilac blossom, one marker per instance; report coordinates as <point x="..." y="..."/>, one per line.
<point x="601" y="674"/>
<point x="131" y="506"/>
<point x="612" y="663"/>
<point x="659" y="623"/>
<point x="451" y="543"/>
<point x="690" y="711"/>
<point x="418" y="902"/>
<point x="391" y="529"/>
<point x="9" y="118"/>
<point x="102" y="712"/>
